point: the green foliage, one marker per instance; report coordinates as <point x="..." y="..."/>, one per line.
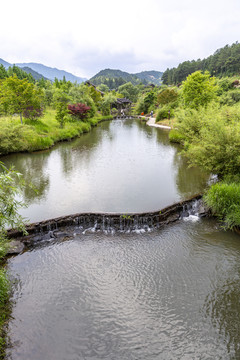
<point x="176" y="137"/>
<point x="212" y="138"/>
<point x="82" y="94"/>
<point x="108" y="100"/>
<point x="230" y="98"/>
<point x="167" y="96"/>
<point x="224" y="200"/>
<point x="41" y="134"/>
<point x="11" y="185"/>
<point x="17" y="95"/>
<point x="164" y="112"/>
<point x="114" y="78"/>
<point x="61" y="113"/>
<point x="19" y="73"/>
<point x="224" y="62"/>
<point x="9" y="204"/>
<point x="129" y="91"/>
<point x="199" y="89"/>
<point x="146" y="102"/>
<point x="103" y="88"/>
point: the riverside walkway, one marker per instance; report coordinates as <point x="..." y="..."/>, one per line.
<point x="152" y="122"/>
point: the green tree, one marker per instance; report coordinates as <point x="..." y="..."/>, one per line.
<point x="11" y="185"/>
<point x="61" y="99"/>
<point x="107" y="102"/>
<point x="16" y="95"/>
<point x="199" y="89"/>
<point x="167" y="96"/>
<point x="129" y="91"/>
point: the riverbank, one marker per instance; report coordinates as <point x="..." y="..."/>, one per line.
<point x="152" y="122"/>
<point x="41" y="134"/>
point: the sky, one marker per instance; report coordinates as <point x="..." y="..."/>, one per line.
<point x="84" y="37"/>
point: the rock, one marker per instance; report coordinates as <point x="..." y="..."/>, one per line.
<point x="16" y="247"/>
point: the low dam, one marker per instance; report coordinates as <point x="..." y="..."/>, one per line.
<point x="106" y="222"/>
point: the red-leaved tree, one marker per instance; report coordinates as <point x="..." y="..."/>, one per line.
<point x="79" y="110"/>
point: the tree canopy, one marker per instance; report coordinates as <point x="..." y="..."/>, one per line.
<point x="17" y="96"/>
<point x="198" y="90"/>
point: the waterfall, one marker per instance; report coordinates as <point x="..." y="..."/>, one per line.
<point x="191" y="209"/>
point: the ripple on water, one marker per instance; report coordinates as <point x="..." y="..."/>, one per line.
<point x="158" y="295"/>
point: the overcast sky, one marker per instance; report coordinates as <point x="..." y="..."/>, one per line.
<point x="84" y="37"/>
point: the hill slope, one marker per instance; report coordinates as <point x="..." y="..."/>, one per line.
<point x="34" y="74"/>
<point x="51" y="73"/>
<point x="114" y="78"/>
<point x="153" y="76"/>
<point x="5" y="63"/>
<point x="224" y="62"/>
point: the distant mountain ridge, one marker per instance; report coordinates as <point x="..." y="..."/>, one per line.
<point x="34" y="74"/>
<point x="114" y="78"/>
<point x="39" y="71"/>
<point x="51" y="73"/>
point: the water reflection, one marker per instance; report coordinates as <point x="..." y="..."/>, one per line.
<point x="120" y="166"/>
<point x="34" y="172"/>
<point x="189" y="180"/>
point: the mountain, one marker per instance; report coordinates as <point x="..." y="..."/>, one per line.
<point x="34" y="74"/>
<point x="51" y="73"/>
<point x="153" y="76"/>
<point x="114" y="78"/>
<point x="5" y="63"/>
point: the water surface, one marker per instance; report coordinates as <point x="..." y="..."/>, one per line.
<point x="167" y="294"/>
<point x="120" y="166"/>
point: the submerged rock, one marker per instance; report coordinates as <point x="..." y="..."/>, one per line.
<point x="16" y="247"/>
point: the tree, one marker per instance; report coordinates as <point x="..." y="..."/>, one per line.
<point x="167" y="96"/>
<point x="199" y="89"/>
<point x="79" y="110"/>
<point x="61" y="99"/>
<point x="9" y="204"/>
<point x="129" y="91"/>
<point x="17" y="95"/>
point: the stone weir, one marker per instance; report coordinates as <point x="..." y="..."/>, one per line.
<point x="108" y="222"/>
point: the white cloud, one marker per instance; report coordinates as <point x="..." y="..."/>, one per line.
<point x="86" y="36"/>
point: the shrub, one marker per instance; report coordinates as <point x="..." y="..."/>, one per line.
<point x="31" y="113"/>
<point x="164" y="113"/>
<point x="167" y="96"/>
<point x="224" y="200"/>
<point x="175" y="136"/>
<point x="79" y="110"/>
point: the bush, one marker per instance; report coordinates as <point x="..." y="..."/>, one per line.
<point x="79" y="110"/>
<point x="212" y="138"/>
<point x="224" y="200"/>
<point x="175" y="136"/>
<point x="164" y="113"/>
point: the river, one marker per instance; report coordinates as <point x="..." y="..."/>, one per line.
<point x="171" y="293"/>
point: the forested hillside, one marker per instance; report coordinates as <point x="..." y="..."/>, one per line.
<point x="115" y="78"/>
<point x="224" y="62"/>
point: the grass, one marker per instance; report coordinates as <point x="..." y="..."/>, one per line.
<point x="224" y="200"/>
<point x="167" y="122"/>
<point x="5" y="310"/>
<point x="41" y="134"/>
<point x="5" y="306"/>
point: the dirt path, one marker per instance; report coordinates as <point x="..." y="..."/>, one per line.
<point x="151" y="122"/>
